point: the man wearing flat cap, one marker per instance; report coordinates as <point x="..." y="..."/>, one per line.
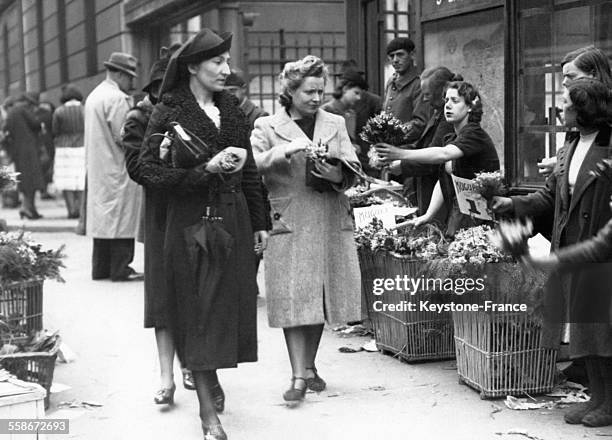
<point x="236" y="85"/>
<point x="113" y="198"/>
<point x="403" y="96"/>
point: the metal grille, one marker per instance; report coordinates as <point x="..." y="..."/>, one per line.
<point x="269" y="51"/>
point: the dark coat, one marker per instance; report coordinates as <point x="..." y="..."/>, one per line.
<point x="228" y="334"/>
<point x="251" y="111"/>
<point x="24" y="147"/>
<point x="157" y="293"/>
<point x="576" y="218"/>
<point x="434" y="133"/>
<point x="46" y="141"/>
<point x="368" y="106"/>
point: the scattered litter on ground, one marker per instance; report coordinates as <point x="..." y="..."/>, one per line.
<point x="346" y="349"/>
<point x="496" y="409"/>
<point x="566" y="393"/>
<point x="377" y="388"/>
<point x="357" y="330"/>
<point x="370" y="346"/>
<point x="525" y="404"/>
<point x="524" y="433"/>
<point x="65" y="354"/>
<point x="333" y="395"/>
<point x="79" y="404"/>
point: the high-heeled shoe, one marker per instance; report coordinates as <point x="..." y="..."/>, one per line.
<point x="214" y="432"/>
<point x="218" y="397"/>
<point x="165" y="396"/>
<point x="295" y="394"/>
<point x="315" y="383"/>
<point x="30" y="215"/>
<point x="188" y="382"/>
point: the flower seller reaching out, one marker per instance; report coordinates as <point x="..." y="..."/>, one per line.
<point x="468" y="151"/>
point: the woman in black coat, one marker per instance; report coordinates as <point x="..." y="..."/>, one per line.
<point x="24" y="149"/>
<point x="578" y="201"/>
<point x="225" y="335"/>
<point x="157" y="294"/>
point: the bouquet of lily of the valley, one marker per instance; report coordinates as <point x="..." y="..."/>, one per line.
<point x="383" y="128"/>
<point x="21" y="258"/>
<point x="423" y="243"/>
<point x="8" y="178"/>
<point x="489" y="185"/>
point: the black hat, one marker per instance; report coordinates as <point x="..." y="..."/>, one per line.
<point x="348" y="65"/>
<point x="354" y="77"/>
<point x="204" y="45"/>
<point x="235" y="78"/>
<point x="400" y="43"/>
<point x="159" y="67"/>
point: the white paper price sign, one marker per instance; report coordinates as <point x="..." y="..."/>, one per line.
<point x="470" y="202"/>
<point x="384" y="212"/>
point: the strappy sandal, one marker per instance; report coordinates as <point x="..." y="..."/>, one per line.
<point x="295" y="394"/>
<point x="315" y="383"/>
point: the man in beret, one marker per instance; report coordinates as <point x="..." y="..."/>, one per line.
<point x="236" y="85"/>
<point x="403" y="96"/>
<point x="113" y="198"/>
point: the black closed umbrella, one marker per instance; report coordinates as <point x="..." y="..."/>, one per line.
<point x="209" y="246"/>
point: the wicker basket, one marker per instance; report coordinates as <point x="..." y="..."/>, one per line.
<point x="410" y="335"/>
<point x="21" y="305"/>
<point x="499" y="353"/>
<point x="34" y="367"/>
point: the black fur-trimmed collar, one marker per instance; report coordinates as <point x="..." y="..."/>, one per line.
<point x="233" y="130"/>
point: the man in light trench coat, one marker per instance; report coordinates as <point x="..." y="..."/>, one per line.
<point x="113" y="198"/>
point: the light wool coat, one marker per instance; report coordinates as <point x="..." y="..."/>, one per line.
<point x="113" y="199"/>
<point x="312" y="270"/>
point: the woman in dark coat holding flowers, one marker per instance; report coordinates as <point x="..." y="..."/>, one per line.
<point x="578" y="201"/>
<point x="214" y="322"/>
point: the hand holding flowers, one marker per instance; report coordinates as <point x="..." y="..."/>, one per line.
<point x="386" y="131"/>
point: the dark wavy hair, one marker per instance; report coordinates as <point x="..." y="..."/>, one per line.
<point x="293" y="75"/>
<point x="591" y="60"/>
<point x="69" y="92"/>
<point x="438" y="78"/>
<point x="592" y="102"/>
<point x="349" y="84"/>
<point x="471" y="96"/>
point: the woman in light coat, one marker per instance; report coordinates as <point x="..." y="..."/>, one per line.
<point x="312" y="271"/>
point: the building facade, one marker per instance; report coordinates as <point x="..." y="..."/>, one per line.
<point x="510" y="49"/>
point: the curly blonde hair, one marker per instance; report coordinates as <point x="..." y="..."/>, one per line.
<point x="295" y="72"/>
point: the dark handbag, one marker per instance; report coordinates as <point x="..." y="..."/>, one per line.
<point x="187" y="150"/>
<point x="316" y="183"/>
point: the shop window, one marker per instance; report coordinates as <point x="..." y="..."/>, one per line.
<point x="473" y="46"/>
<point x="548" y="29"/>
<point x="398" y="18"/>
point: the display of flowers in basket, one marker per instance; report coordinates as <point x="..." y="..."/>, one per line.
<point x="21" y="258"/>
<point x="383" y="128"/>
<point x="425" y="242"/>
<point x="474" y="254"/>
<point x="8" y="178"/>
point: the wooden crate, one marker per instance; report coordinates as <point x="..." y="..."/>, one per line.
<point x="22" y="400"/>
